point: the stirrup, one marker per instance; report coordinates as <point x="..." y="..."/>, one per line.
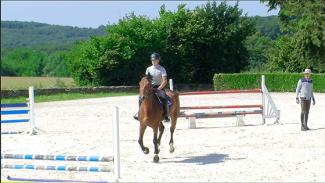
<point x="166" y="119"/>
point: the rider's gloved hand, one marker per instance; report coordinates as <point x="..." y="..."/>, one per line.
<point x="297" y="100"/>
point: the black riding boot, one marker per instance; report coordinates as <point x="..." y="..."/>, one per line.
<point x="136" y="116"/>
<point x="302" y="119"/>
<point x="306" y="119"/>
<point x="166" y="111"/>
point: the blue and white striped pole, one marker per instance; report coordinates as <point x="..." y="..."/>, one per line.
<point x="58" y="168"/>
<point x="116" y="159"/>
<point x="57" y="157"/>
<point x="16" y="179"/>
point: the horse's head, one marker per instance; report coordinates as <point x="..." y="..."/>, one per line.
<point x="145" y="86"/>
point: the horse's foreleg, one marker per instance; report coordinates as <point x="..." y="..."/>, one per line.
<point x="161" y="131"/>
<point x="155" y="142"/>
<point x="140" y="141"/>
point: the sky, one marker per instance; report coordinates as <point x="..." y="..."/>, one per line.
<point x="95" y="13"/>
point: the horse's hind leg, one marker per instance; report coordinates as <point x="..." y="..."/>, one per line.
<point x="172" y="129"/>
<point x="161" y="131"/>
<point x="140" y="141"/>
<point x="155" y="142"/>
<point x="174" y="112"/>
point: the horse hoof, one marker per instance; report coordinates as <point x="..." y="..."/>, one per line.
<point x="171" y="148"/>
<point x="156" y="158"/>
<point x="146" y="150"/>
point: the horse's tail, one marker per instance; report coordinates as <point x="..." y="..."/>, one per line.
<point x="175" y="99"/>
<point x="178" y="105"/>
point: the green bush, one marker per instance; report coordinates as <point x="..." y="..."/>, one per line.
<point x="194" y="44"/>
<point x="284" y="82"/>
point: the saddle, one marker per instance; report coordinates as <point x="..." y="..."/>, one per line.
<point x="160" y="99"/>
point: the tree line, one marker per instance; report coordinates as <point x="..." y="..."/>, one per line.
<point x="38" y="49"/>
<point x="194" y="45"/>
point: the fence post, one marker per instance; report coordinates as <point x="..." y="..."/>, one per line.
<point x="171" y="85"/>
<point x="31" y="111"/>
<point x="116" y="141"/>
<point x="192" y="122"/>
<point x="263" y="99"/>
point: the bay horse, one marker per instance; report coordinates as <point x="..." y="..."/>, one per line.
<point x="151" y="114"/>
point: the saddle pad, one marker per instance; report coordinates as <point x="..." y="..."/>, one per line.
<point x="169" y="100"/>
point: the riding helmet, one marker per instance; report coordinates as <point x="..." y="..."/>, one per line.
<point x="155" y="56"/>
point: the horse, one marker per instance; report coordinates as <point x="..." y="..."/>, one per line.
<point x="151" y="114"/>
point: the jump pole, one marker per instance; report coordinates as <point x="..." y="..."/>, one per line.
<point x="257" y="90"/>
<point x="116" y="151"/>
<point x="57" y="157"/>
<point x="30" y="112"/>
<point x="268" y="106"/>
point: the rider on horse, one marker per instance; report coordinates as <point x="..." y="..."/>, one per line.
<point x="159" y="81"/>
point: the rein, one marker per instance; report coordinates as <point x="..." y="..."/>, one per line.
<point x="143" y="97"/>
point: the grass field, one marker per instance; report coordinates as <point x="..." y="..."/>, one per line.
<point x="63" y="96"/>
<point x="9" y="83"/>
<point x="15" y="83"/>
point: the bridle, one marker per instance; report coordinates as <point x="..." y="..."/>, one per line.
<point x="145" y="94"/>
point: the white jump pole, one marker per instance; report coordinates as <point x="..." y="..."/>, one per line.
<point x="31" y="110"/>
<point x="263" y="99"/>
<point x="116" y="141"/>
<point x="171" y="85"/>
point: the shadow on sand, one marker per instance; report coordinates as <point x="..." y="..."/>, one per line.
<point x="317" y="129"/>
<point x="200" y="160"/>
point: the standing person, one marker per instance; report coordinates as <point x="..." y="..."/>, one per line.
<point x="304" y="95"/>
<point x="159" y="81"/>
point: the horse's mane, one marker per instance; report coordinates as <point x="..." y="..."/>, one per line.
<point x="147" y="76"/>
